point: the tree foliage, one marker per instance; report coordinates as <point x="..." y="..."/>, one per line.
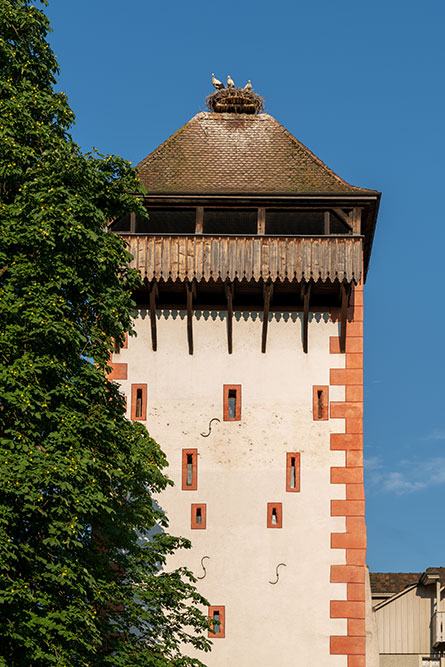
<point x="82" y="545"/>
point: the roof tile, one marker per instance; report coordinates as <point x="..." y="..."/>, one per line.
<point x="219" y="153"/>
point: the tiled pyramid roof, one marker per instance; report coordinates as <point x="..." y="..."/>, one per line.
<point x="222" y="153"/>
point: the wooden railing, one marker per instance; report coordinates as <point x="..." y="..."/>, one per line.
<point x="203" y="257"/>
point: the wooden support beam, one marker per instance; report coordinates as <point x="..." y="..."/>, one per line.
<point x="345" y="290"/>
<point x="306" y="295"/>
<point x="261" y="222"/>
<point x="153" y="293"/>
<point x="199" y="225"/>
<point x="191" y="292"/>
<point x="343" y="216"/>
<point x="267" y="294"/>
<point x="229" y="296"/>
<point x="356" y="220"/>
<point x="327" y="223"/>
<point x="132" y="223"/>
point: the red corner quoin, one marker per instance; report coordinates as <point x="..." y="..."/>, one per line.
<point x="353" y="540"/>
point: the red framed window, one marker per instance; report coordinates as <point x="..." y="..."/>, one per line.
<point x="293" y="471"/>
<point x="199" y="516"/>
<point x="274" y="515"/>
<point x="189" y="469"/>
<point x="138" y="402"/>
<point x="232" y="402"/>
<point x="320" y="403"/>
<point x="118" y="347"/>
<point x="217" y="617"/>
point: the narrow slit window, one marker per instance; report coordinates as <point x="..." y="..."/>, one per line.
<point x="189" y="481"/>
<point x="117" y="347"/>
<point x="232" y="402"/>
<point x="199" y="516"/>
<point x="189" y="469"/>
<point x="138" y="402"/>
<point x="320" y="408"/>
<point x="293" y="471"/>
<point x="217" y="617"/>
<point x="320" y="403"/>
<point x="274" y="515"/>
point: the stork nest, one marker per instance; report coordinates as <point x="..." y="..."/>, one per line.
<point x="235" y="100"/>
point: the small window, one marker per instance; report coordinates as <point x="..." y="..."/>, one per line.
<point x="189" y="469"/>
<point x="293" y="471"/>
<point x="320" y="403"/>
<point x="122" y="224"/>
<point x="167" y="221"/>
<point x="232" y="402"/>
<point x="217" y="617"/>
<point x="274" y="515"/>
<point x="199" y="516"/>
<point x="227" y="221"/>
<point x="117" y="347"/>
<point x="295" y="223"/>
<point x="138" y="402"/>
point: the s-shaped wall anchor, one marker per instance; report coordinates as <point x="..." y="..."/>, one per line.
<point x="206" y="435"/>
<point x="203" y="567"/>
<point x="276" y="572"/>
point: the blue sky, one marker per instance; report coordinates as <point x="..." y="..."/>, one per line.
<point x="362" y="85"/>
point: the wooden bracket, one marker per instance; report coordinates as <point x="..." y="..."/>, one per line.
<point x="153" y="293"/>
<point x="229" y="289"/>
<point x="345" y="290"/>
<point x="344" y="217"/>
<point x="190" y="287"/>
<point x="267" y="293"/>
<point x="306" y="295"/>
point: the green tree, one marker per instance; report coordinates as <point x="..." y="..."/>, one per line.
<point x="82" y="544"/>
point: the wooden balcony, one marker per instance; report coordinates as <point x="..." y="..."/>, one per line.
<point x="268" y="258"/>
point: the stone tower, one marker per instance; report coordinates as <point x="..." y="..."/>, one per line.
<point x="248" y="370"/>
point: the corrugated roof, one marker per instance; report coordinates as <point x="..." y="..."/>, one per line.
<point x="228" y="153"/>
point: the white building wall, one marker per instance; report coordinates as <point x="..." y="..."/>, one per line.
<point x="242" y="467"/>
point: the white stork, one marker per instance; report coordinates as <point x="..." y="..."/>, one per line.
<point x="248" y="86"/>
<point x="230" y="82"/>
<point x="216" y="83"/>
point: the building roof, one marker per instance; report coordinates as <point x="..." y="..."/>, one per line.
<point x="232" y="153"/>
<point x="394" y="582"/>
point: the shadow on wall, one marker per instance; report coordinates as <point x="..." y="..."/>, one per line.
<point x="239" y="315"/>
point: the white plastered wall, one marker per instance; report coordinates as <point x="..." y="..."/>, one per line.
<point x="241" y="467"/>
